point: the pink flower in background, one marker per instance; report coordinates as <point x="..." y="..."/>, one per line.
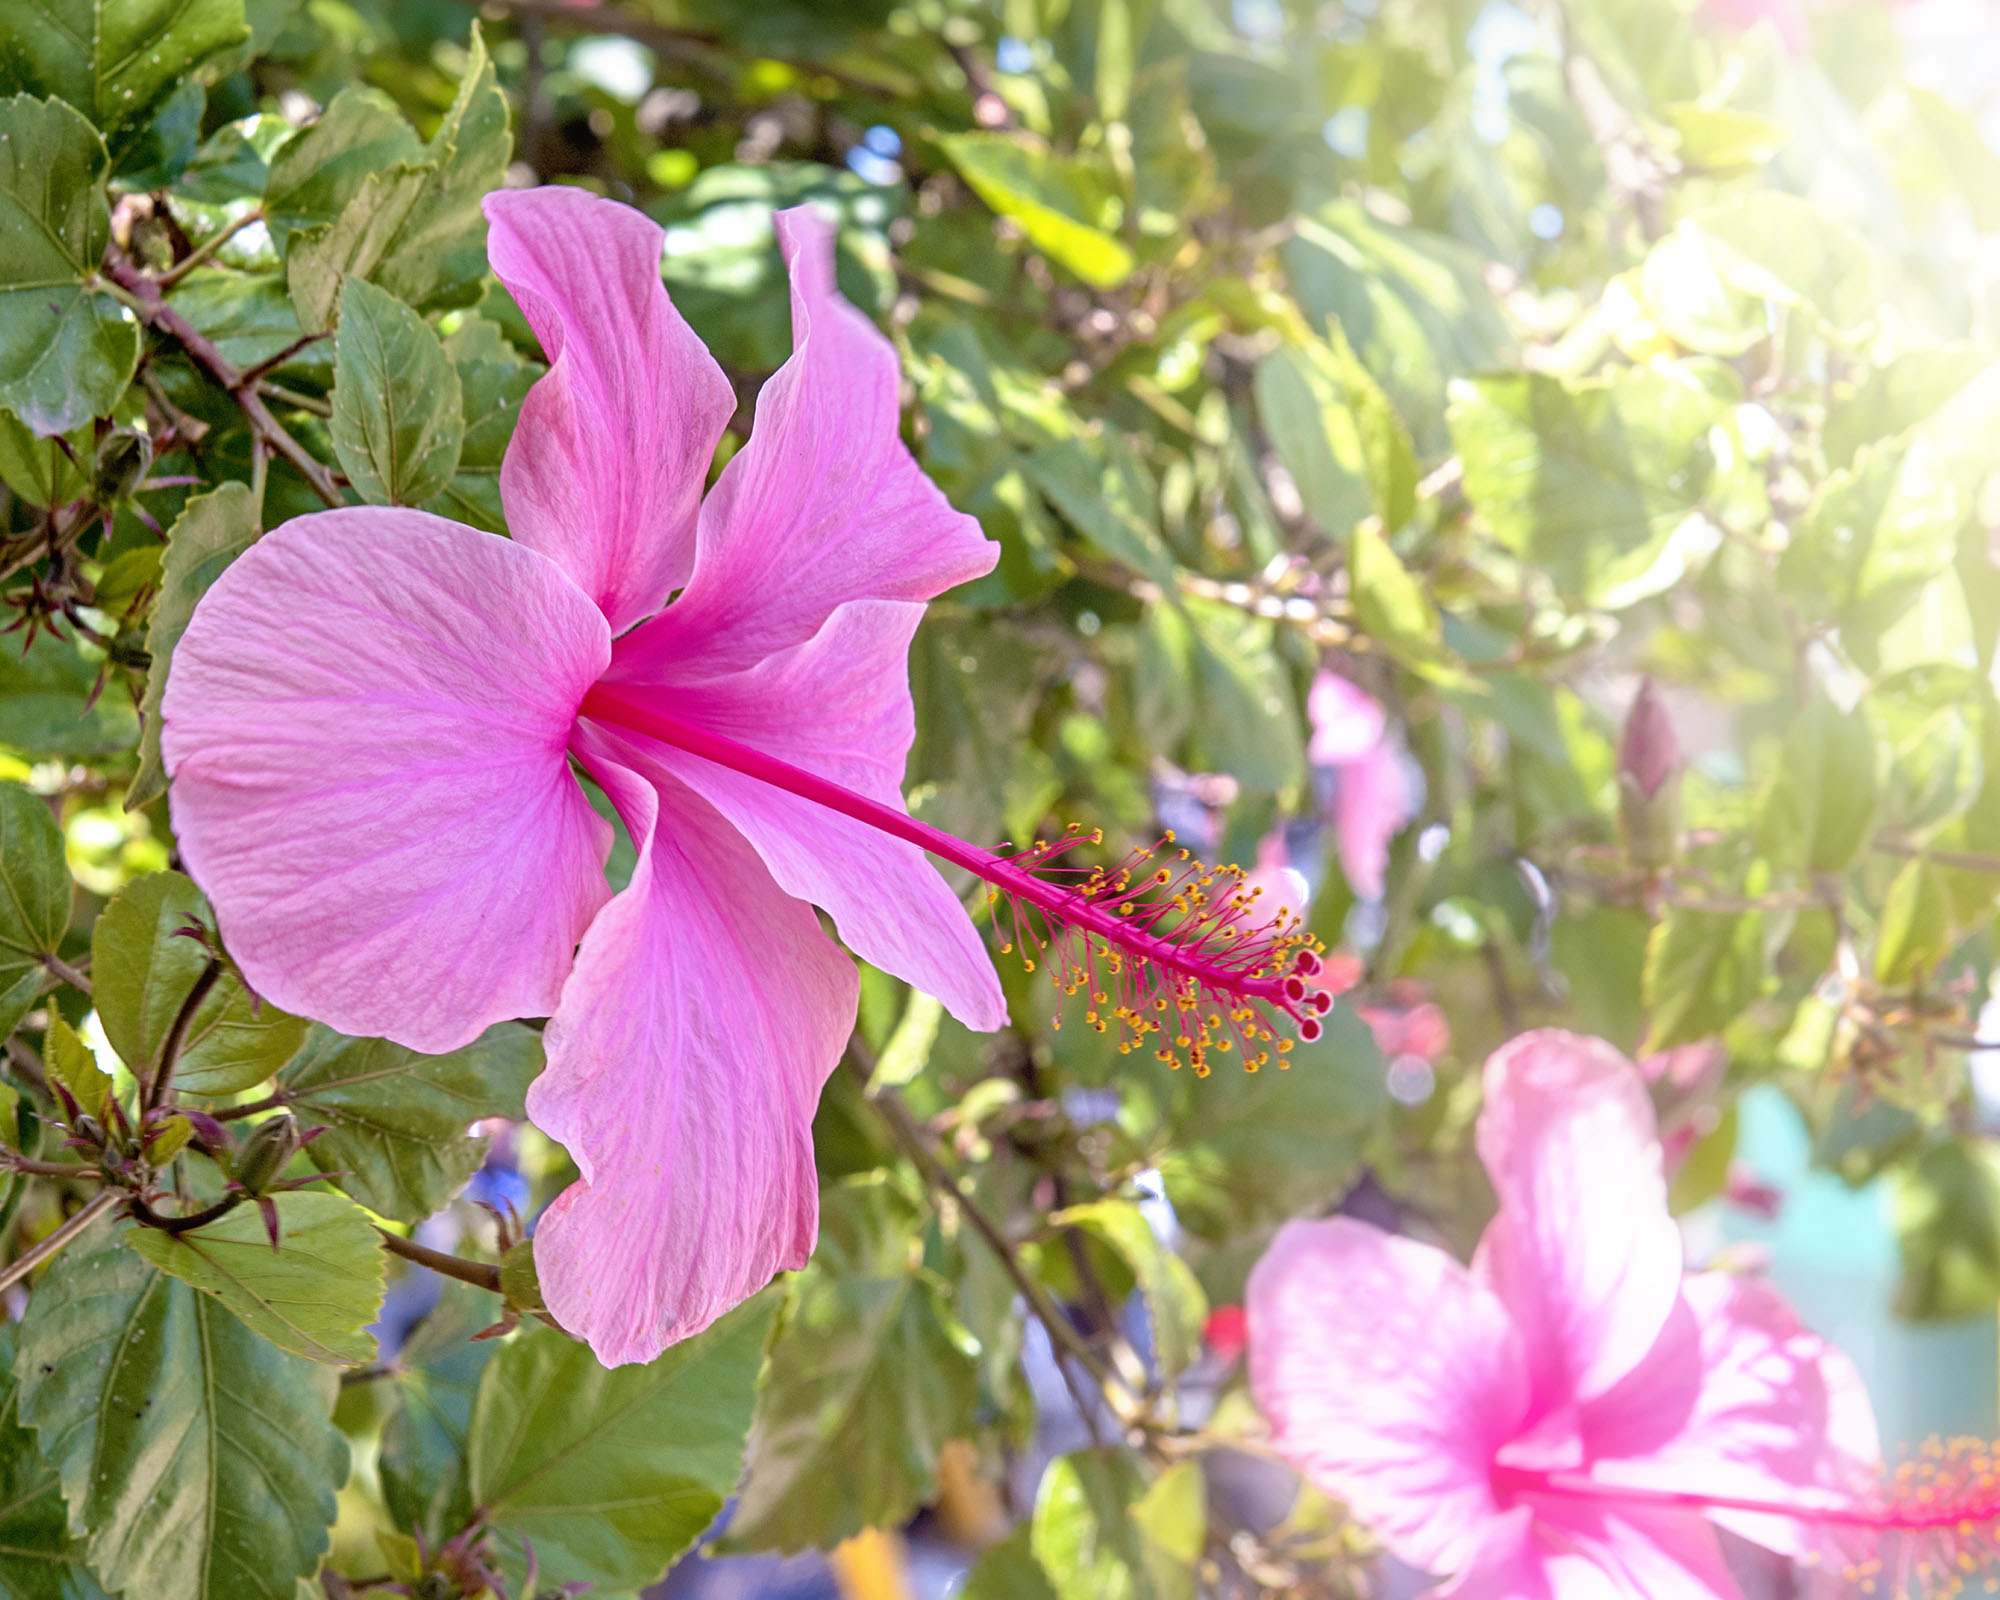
<point x="1570" y="1416"/>
<point x="372" y="716"/>
<point x="1372" y="800"/>
<point x="1407" y="1022"/>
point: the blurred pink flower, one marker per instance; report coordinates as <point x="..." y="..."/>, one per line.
<point x="1568" y="1416"/>
<point x="372" y="716"/>
<point x="1407" y="1023"/>
<point x="1372" y="799"/>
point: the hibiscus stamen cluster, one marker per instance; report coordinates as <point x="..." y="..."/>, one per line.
<point x="1166" y="946"/>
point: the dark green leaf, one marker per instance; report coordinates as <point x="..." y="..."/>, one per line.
<point x="396" y="1120"/>
<point x="1009" y="1571"/>
<point x="212" y="530"/>
<point x="1174" y="1300"/>
<point x="424" y="1442"/>
<point x="34" y="900"/>
<point x="66" y="354"/>
<point x="494" y="381"/>
<point x="38" y="1560"/>
<point x="200" y="1458"/>
<point x="398" y="419"/>
<point x="319" y="260"/>
<point x="116" y="61"/>
<point x="612" y="1473"/>
<point x="868" y="1380"/>
<point x="314" y="1295"/>
<point x="319" y="171"/>
<point x="50" y="704"/>
<point x="144" y="968"/>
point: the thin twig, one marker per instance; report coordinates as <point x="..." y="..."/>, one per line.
<point x="270" y="1102"/>
<point x="208" y="247"/>
<point x="292" y="398"/>
<point x="1961" y="860"/>
<point x="42" y="1249"/>
<point x="478" y="1273"/>
<point x="10" y="1162"/>
<point x="70" y="975"/>
<point x="170" y="1047"/>
<point x="145" y="300"/>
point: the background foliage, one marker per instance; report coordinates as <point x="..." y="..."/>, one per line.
<point x="1492" y="357"/>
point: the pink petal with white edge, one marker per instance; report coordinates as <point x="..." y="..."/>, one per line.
<point x="822" y="506"/>
<point x="605" y="470"/>
<point x="366" y="724"/>
<point x="1582" y="1249"/>
<point x="1346" y="722"/>
<point x="1737" y="1399"/>
<point x="839" y="706"/>
<point x="1636" y="1553"/>
<point x="1390" y="1378"/>
<point x="685" y="1064"/>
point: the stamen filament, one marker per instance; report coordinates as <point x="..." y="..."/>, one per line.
<point x="1211" y="958"/>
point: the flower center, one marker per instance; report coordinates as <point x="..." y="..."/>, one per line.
<point x="1165" y="947"/>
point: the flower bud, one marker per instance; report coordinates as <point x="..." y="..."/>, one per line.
<point x="1649" y="769"/>
<point x="123" y="458"/>
<point x="267" y="1152"/>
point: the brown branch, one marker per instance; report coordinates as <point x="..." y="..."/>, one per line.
<point x="42" y="1249"/>
<point x="69" y="974"/>
<point x="214" y="242"/>
<point x="270" y="1102"/>
<point x="154" y="1091"/>
<point x="147" y="303"/>
<point x="11" y="1162"/>
<point x="477" y="1273"/>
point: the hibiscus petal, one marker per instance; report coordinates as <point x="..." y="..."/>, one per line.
<point x="1390" y="1378"/>
<point x="1582" y="1250"/>
<point x="606" y="466"/>
<point x="1736" y="1398"/>
<point x="1370" y="806"/>
<point x="1346" y="722"/>
<point x="1639" y="1553"/>
<point x="824" y="504"/>
<point x="365" y="725"/>
<point x="839" y="706"/>
<point x="685" y="1064"/>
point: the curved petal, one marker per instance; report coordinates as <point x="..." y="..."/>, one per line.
<point x="365" y="725"/>
<point x="823" y="505"/>
<point x="685" y="1064"/>
<point x="1635" y="1552"/>
<point x="1370" y="805"/>
<point x="1346" y="722"/>
<point x="1737" y="1399"/>
<point x="1390" y="1378"/>
<point x="839" y="706"/>
<point x="1582" y="1249"/>
<point x="605" y="470"/>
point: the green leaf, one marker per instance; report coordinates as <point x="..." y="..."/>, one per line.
<point x="143" y="969"/>
<point x="1591" y="482"/>
<point x="1822" y="805"/>
<point x="909" y="1047"/>
<point x="1174" y="1299"/>
<point x="612" y="1473"/>
<point x="1387" y="452"/>
<point x="200" y="1458"/>
<point x="36" y="469"/>
<point x="317" y="172"/>
<point x="34" y="899"/>
<point x="494" y="381"/>
<point x="424" y="1442"/>
<point x="1219" y="661"/>
<point x="1916" y="928"/>
<point x="319" y="260"/>
<point x="1305" y="413"/>
<point x="1687" y="294"/>
<point x="1413" y="305"/>
<point x="68" y="1061"/>
<point x="50" y="704"/>
<point x="38" y="1559"/>
<point x="314" y="1295"/>
<point x="1946" y="1212"/>
<point x="1067" y="207"/>
<point x="116" y="61"/>
<point x="1720" y="137"/>
<point x="395" y="1120"/>
<point x="1702" y="969"/>
<point x="1101" y="1532"/>
<point x="1104" y="492"/>
<point x="398" y="419"/>
<point x="212" y="530"/>
<point x="1393" y="609"/>
<point x="868" y="1380"/>
<point x="1781" y="248"/>
<point x="1009" y="1571"/>
<point x="414" y="228"/>
<point x="66" y="354"/>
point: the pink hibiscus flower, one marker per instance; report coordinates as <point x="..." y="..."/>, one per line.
<point x="371" y="723"/>
<point x="1372" y="800"/>
<point x="1570" y="1416"/>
